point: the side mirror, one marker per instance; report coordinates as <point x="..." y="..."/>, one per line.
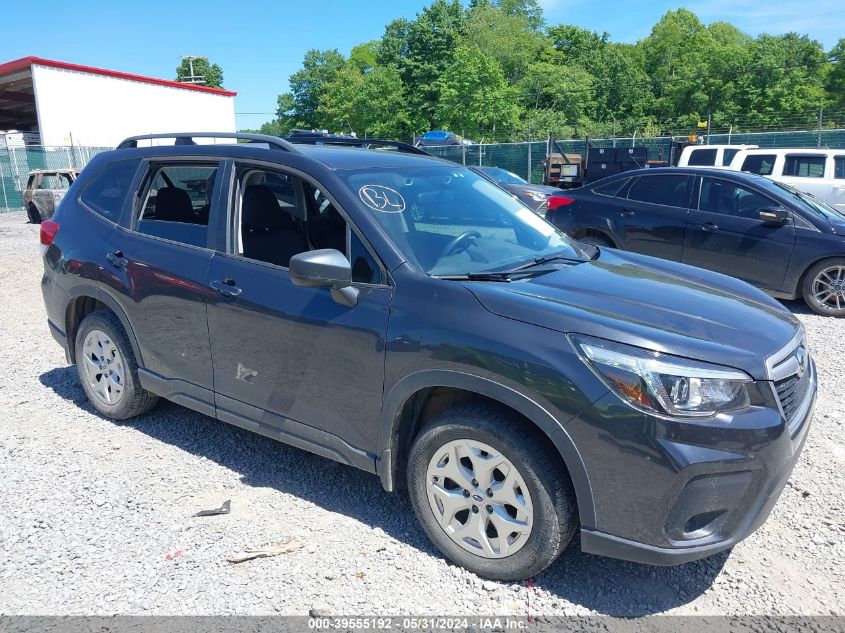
<point x="325" y="268"/>
<point x="777" y="217"/>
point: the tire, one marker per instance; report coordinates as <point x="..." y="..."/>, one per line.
<point x="102" y="346"/>
<point x="33" y="214"/>
<point x="547" y="492"/>
<point x="596" y="240"/>
<point x="823" y="287"/>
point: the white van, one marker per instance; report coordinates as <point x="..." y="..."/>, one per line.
<point x="716" y="156"/>
<point x="820" y="172"/>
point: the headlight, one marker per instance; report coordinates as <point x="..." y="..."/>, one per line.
<point x="536" y="196"/>
<point x="664" y="384"/>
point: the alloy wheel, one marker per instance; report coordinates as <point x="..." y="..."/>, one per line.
<point x="103" y="367"/>
<point x="479" y="498"/>
<point x="829" y="288"/>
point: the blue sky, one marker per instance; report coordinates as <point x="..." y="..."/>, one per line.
<point x="259" y="44"/>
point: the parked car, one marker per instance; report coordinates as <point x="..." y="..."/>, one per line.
<point x="820" y="172"/>
<point x="440" y="137"/>
<point x="519" y="384"/>
<point x="533" y="196"/>
<point x="44" y="190"/>
<point x="769" y="234"/>
<point x="717" y="156"/>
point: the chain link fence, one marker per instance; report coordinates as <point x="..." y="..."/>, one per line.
<point x="17" y="162"/>
<point x="523" y="159"/>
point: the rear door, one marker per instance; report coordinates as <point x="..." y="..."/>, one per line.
<point x="836" y="197"/>
<point x="158" y="262"/>
<point x="725" y="234"/>
<point x="290" y="361"/>
<point x="652" y="218"/>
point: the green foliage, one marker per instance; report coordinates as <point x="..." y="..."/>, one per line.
<point x="211" y="74"/>
<point x="493" y="69"/>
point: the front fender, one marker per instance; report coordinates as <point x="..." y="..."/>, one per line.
<point x="397" y="397"/>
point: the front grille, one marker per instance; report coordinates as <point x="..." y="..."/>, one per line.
<point x="791" y="393"/>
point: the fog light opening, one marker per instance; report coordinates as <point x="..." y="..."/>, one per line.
<point x="702" y="524"/>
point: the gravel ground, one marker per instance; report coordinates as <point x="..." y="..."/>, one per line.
<point x="92" y="508"/>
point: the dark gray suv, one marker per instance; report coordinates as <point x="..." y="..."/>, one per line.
<point x="519" y="384"/>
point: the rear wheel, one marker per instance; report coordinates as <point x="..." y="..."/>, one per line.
<point x="33" y="214"/>
<point x="823" y="288"/>
<point x="490" y="493"/>
<point x="596" y="240"/>
<point x="107" y="368"/>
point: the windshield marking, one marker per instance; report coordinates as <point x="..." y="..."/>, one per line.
<point x="382" y="199"/>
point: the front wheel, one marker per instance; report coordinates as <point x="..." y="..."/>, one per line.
<point x="824" y="287"/>
<point x="490" y="492"/>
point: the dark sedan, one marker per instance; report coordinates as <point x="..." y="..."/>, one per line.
<point x="783" y="241"/>
<point x="534" y="196"/>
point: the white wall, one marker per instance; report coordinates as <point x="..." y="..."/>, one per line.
<point x="102" y="111"/>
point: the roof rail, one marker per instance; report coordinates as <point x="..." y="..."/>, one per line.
<point x="187" y="138"/>
<point x="318" y="138"/>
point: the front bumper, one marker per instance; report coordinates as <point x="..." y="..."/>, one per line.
<point x="689" y="490"/>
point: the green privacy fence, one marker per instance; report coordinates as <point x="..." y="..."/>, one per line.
<point x="17" y="162"/>
<point x="525" y="159"/>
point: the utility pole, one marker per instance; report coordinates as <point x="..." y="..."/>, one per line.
<point x="192" y="78"/>
<point x="709" y="122"/>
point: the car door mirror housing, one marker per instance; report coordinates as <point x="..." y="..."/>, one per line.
<point x="324" y="268"/>
<point x="774" y="216"/>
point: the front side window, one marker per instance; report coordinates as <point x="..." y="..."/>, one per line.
<point x="728" y="198"/>
<point x="705" y="157"/>
<point x="177" y="202"/>
<point x="665" y="189"/>
<point x="451" y="221"/>
<point x="804" y="166"/>
<point x="503" y="176"/>
<point x="281" y="215"/>
<point x="106" y="192"/>
<point x="760" y="164"/>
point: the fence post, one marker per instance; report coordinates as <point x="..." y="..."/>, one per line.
<point x="821" y="120"/>
<point x="529" y="162"/>
<point x="463" y="154"/>
<point x="3" y="182"/>
<point x="709" y="121"/>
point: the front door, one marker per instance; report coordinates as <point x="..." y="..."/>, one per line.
<point x="725" y="234"/>
<point x="290" y="361"/>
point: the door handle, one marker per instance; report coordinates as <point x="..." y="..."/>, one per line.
<point x="117" y="259"/>
<point x="627" y="212"/>
<point x="708" y="226"/>
<point x="226" y="288"/>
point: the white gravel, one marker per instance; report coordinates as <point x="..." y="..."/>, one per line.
<point x="91" y="508"/>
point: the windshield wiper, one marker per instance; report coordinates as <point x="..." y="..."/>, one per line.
<point x="538" y="261"/>
<point x="504" y="275"/>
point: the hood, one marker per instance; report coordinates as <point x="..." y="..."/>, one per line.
<point x="549" y="191"/>
<point x="651" y="303"/>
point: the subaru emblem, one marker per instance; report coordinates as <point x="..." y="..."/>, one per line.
<point x="801" y="357"/>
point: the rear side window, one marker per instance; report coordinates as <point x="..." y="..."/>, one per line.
<point x="706" y="157"/>
<point x="106" y="192"/>
<point x="728" y="156"/>
<point x="611" y="188"/>
<point x="760" y="164"/>
<point x="839" y="167"/>
<point x="177" y="202"/>
<point x="804" y="166"/>
<point x="662" y="189"/>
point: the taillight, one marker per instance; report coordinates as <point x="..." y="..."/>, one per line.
<point x="556" y="202"/>
<point x="49" y="228"/>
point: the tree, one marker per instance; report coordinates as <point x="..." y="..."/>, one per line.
<point x="528" y="10"/>
<point x="474" y="98"/>
<point x="835" y="79"/>
<point x="319" y="68"/>
<point x="204" y="73"/>
<point x="506" y="38"/>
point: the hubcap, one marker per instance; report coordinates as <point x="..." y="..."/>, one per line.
<point x="479" y="498"/>
<point x="829" y="288"/>
<point x="103" y="367"/>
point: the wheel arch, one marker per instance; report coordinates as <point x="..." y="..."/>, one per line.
<point x="586" y="232"/>
<point x="404" y="412"/>
<point x="799" y="287"/>
<point x="87" y="299"/>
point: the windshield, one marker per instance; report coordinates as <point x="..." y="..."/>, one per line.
<point x="503" y="176"/>
<point x="435" y="135"/>
<point x="451" y="221"/>
<point x="804" y="200"/>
